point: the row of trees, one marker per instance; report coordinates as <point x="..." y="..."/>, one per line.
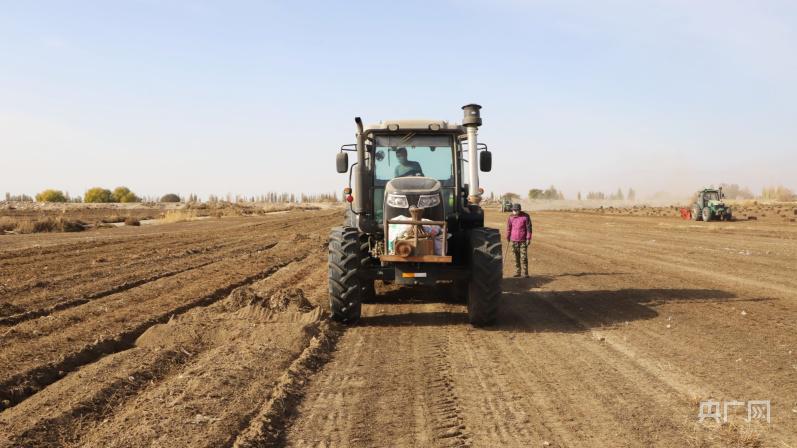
<point x="551" y="193"/>
<point x="93" y="195"/>
<point x="616" y="196"/>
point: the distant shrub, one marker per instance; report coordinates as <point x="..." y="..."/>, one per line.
<point x="171" y="197"/>
<point x="51" y="196"/>
<point x="131" y="221"/>
<point x="49" y="225"/>
<point x="123" y="194"/>
<point x="98" y="195"/>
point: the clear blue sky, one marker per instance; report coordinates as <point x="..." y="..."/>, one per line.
<point x="249" y="97"/>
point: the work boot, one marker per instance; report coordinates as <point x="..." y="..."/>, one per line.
<point x="517" y="274"/>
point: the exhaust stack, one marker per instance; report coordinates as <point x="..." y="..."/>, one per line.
<point x="359" y="169"/>
<point x="472" y="120"/>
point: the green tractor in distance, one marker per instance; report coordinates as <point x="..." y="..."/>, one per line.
<point x="709" y="206"/>
<point x="506" y="205"/>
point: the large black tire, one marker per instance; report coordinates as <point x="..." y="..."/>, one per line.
<point x="487" y="265"/>
<point x="366" y="262"/>
<point x="345" y="284"/>
<point x="707" y="214"/>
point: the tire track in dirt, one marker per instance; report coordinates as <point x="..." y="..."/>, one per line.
<point x="441" y="396"/>
<point x="385" y="383"/>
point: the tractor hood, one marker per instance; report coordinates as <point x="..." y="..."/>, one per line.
<point x="402" y="193"/>
<point x="716" y="204"/>
<point x="413" y="185"/>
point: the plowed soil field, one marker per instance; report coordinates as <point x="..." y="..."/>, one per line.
<point x="214" y="333"/>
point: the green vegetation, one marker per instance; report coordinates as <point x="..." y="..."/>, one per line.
<point x="51" y="196"/>
<point x="123" y="194"/>
<point x="98" y="195"/>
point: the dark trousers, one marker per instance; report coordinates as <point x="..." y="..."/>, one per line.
<point x="520" y="249"/>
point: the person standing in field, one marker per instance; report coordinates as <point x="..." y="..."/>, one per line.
<point x="518" y="233"/>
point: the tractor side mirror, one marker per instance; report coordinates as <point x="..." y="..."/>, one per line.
<point x="486" y="161"/>
<point x="342" y="162"/>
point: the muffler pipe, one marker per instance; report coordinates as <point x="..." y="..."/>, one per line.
<point x="359" y="169"/>
<point x="472" y="120"/>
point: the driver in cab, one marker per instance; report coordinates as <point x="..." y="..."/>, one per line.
<point x="406" y="167"/>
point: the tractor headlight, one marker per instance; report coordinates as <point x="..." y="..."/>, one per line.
<point x="397" y="201"/>
<point x="428" y="200"/>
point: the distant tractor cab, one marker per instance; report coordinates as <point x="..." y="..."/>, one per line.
<point x="506" y="206"/>
<point x="709" y="206"/>
<point x="414" y="216"/>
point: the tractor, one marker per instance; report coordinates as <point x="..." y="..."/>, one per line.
<point x="413" y="216"/>
<point x="506" y="205"/>
<point x="709" y="206"/>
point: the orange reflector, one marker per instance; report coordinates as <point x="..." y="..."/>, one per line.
<point x="413" y="274"/>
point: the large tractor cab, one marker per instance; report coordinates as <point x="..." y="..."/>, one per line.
<point x="709" y="206"/>
<point x="414" y="216"/>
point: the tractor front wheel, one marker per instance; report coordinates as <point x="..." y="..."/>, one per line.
<point x="706" y="214"/>
<point x="487" y="265"/>
<point x="345" y="285"/>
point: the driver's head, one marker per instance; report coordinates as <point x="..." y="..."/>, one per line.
<point x="401" y="155"/>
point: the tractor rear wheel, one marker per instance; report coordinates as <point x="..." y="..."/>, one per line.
<point x="706" y="214"/>
<point x="487" y="265"/>
<point x="345" y="285"/>
<point x="695" y="213"/>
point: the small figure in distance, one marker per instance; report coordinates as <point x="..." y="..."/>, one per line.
<point x="406" y="167"/>
<point x="518" y="233"/>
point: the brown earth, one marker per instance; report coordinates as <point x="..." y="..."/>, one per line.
<point x="210" y="333"/>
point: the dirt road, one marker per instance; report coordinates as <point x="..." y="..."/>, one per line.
<point x="206" y="334"/>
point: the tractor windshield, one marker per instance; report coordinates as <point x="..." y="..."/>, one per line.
<point x="711" y="196"/>
<point x="414" y="155"/>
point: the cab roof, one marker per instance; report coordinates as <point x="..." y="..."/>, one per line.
<point x="415" y="125"/>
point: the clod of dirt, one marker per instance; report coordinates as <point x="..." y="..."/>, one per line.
<point x="283" y="300"/>
<point x="289" y="299"/>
